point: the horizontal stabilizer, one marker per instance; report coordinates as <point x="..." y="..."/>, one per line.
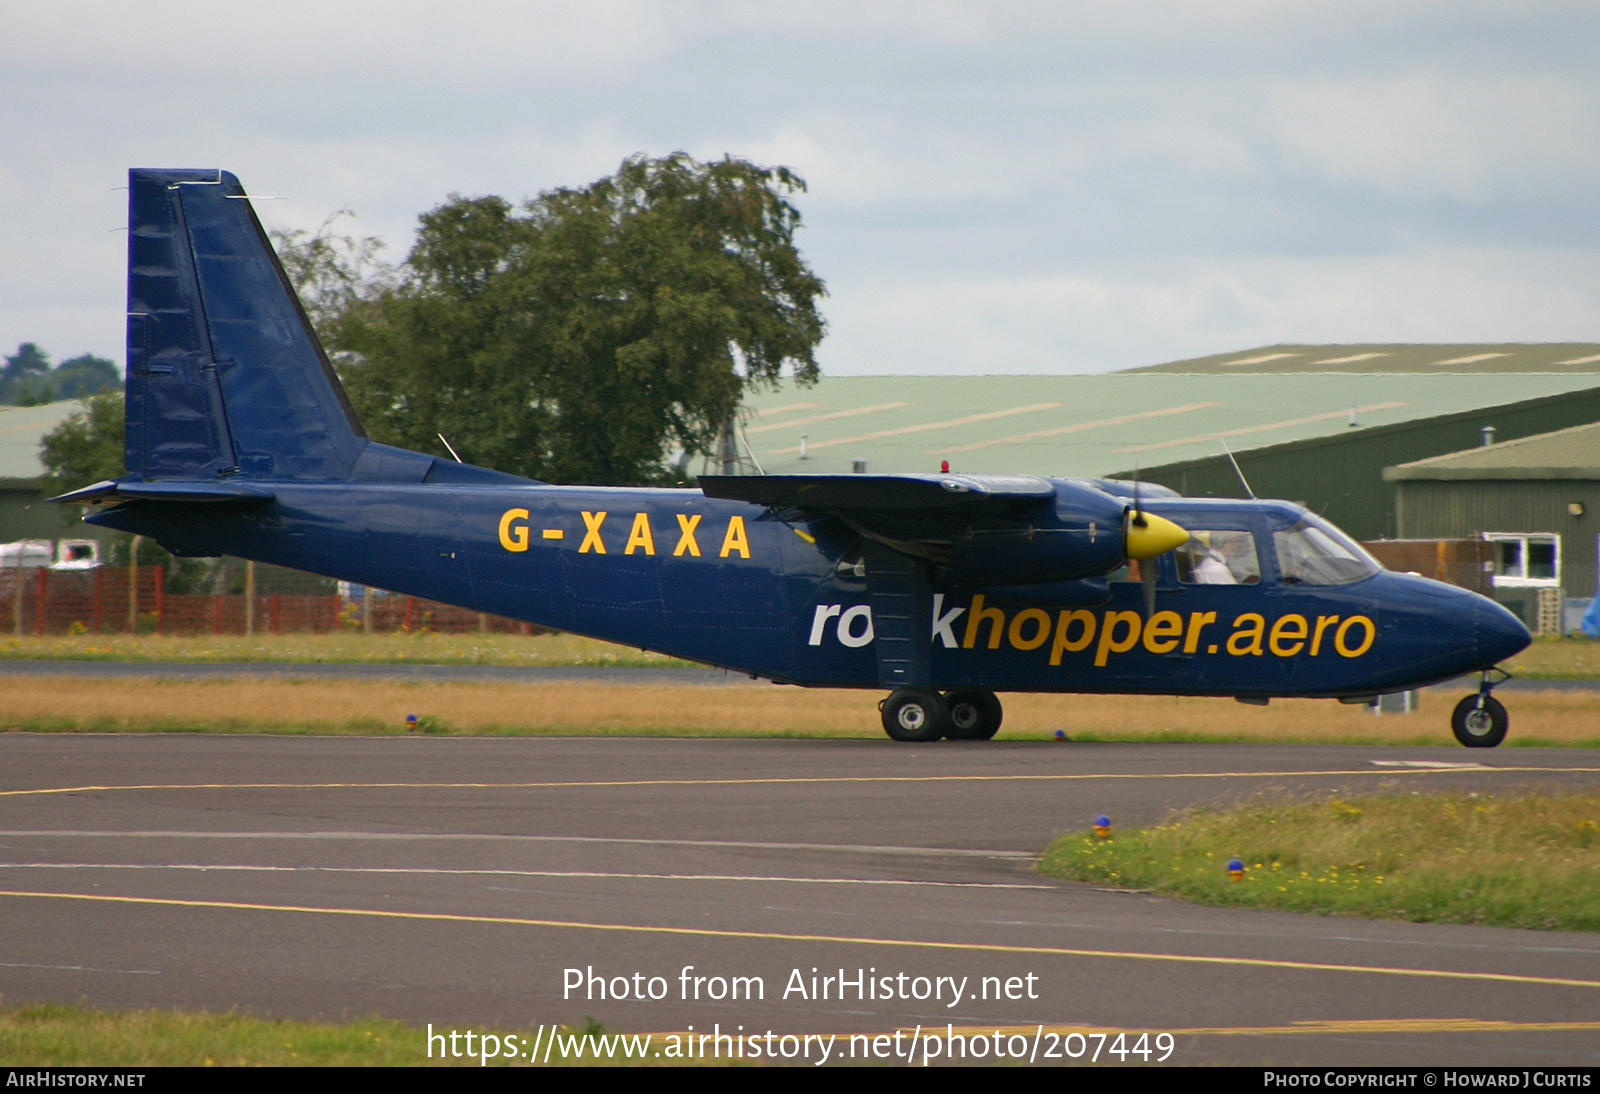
<point x="833" y="493"/>
<point x="173" y="490"/>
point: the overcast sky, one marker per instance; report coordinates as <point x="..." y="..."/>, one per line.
<point x="994" y="187"/>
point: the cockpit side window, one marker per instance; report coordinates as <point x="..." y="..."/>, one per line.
<point x="1220" y="557"/>
<point x="1314" y="554"/>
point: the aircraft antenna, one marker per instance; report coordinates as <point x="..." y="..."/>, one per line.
<point x="750" y="450"/>
<point x="452" y="451"/>
<point x="1242" y="481"/>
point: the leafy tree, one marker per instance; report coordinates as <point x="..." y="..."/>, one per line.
<point x="20" y="379"/>
<point x="83" y="376"/>
<point x="579" y="338"/>
<point x="28" y="379"/>
<point x="329" y="271"/>
<point x="87" y="447"/>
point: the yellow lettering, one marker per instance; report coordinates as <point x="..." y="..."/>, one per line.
<point x="1197" y="623"/>
<point x="553" y="533"/>
<point x="1257" y="628"/>
<point x="686" y="540"/>
<point x="1109" y="643"/>
<point x="1064" y="623"/>
<point x="640" y="538"/>
<point x="1323" y="623"/>
<point x="514" y="539"/>
<point x="1344" y="629"/>
<point x="1039" y="617"/>
<point x="591" y="537"/>
<point x="1288" y="635"/>
<point x="976" y="615"/>
<point x="1161" y="634"/>
<point x="735" y="539"/>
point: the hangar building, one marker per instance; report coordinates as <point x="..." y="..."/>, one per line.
<point x="1535" y="499"/>
<point x="1314" y="424"/>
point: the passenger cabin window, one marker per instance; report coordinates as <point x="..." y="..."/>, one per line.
<point x="1315" y="554"/>
<point x="1221" y="557"/>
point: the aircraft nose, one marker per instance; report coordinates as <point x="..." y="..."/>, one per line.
<point x="1500" y="633"/>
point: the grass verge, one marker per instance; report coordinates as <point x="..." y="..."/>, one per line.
<point x="1558" y="658"/>
<point x="55" y="1035"/>
<point x="262" y="704"/>
<point x="340" y="648"/>
<point x="1530" y="860"/>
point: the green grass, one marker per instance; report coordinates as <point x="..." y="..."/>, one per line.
<point x="1530" y="860"/>
<point x="55" y="1035"/>
<point x="1558" y="658"/>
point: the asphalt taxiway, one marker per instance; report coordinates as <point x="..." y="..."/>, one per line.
<point x="455" y="881"/>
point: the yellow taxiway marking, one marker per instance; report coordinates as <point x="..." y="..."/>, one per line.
<point x="1310" y="1026"/>
<point x="779" y="780"/>
<point x="846" y="940"/>
<point x="510" y="873"/>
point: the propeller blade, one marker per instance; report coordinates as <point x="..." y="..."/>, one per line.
<point x="1147" y="578"/>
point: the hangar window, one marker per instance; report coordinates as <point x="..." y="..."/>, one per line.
<point x="1526" y="559"/>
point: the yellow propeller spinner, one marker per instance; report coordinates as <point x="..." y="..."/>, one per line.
<point x="1146" y="535"/>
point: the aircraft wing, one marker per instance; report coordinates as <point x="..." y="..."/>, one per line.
<point x="967" y="495"/>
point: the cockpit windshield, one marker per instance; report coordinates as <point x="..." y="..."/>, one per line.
<point x="1313" y="552"/>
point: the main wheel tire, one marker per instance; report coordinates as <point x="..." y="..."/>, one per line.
<point x="1480" y="721"/>
<point x="974" y="715"/>
<point x="915" y="714"/>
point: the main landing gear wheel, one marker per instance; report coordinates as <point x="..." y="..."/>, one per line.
<point x="974" y="715"/>
<point x="1480" y="721"/>
<point x="915" y="714"/>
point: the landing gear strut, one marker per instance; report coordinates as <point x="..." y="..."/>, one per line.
<point x="1481" y="721"/>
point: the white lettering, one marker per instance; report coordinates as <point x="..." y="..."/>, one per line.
<point x="847" y="637"/>
<point x="942" y="623"/>
<point x="820" y="620"/>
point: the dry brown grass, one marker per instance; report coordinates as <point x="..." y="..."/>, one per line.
<point x="256" y="704"/>
<point x="344" y="646"/>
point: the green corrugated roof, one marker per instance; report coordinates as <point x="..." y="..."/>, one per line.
<point x="21" y="428"/>
<point x="1565" y="454"/>
<point x="1468" y="357"/>
<point x="1095" y="425"/>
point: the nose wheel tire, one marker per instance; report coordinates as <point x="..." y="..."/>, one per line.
<point x="974" y="715"/>
<point x="1480" y="721"/>
<point x="915" y="714"/>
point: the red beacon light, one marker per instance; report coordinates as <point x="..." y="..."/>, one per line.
<point x="944" y="466"/>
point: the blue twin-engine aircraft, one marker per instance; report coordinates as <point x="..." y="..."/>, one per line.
<point x="941" y="588"/>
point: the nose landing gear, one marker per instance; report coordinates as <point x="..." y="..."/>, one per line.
<point x="1481" y="721"/>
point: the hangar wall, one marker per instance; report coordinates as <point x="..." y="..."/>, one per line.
<point x="1341" y="477"/>
<point x="1453" y="508"/>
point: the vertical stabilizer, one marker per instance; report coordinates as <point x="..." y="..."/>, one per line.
<point x="225" y="375"/>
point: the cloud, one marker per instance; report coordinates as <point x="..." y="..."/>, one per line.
<point x="1045" y="185"/>
<point x="1466" y="138"/>
<point x="1092" y="323"/>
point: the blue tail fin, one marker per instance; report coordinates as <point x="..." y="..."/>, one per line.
<point x="225" y="375"/>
